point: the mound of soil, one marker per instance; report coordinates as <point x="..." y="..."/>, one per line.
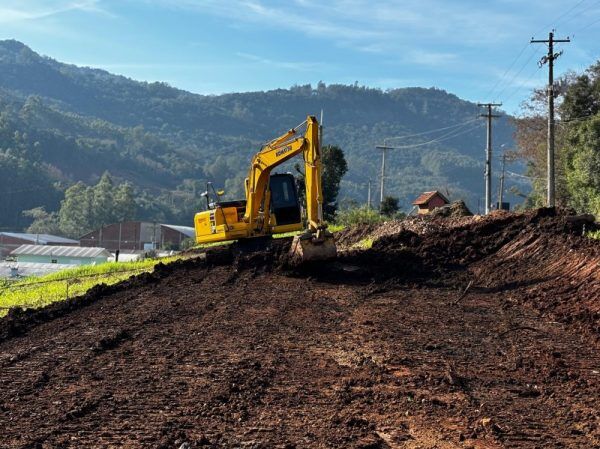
<point x="557" y="273"/>
<point x="456" y="214"/>
<point x="346" y="238"/>
<point x="384" y="348"/>
<point x="455" y="210"/>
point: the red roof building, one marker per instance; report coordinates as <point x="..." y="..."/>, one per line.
<point x="428" y="201"/>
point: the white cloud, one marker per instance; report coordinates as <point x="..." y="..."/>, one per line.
<point x="122" y="66"/>
<point x="422" y="57"/>
<point x="373" y="27"/>
<point x="31" y="10"/>
<point x="290" y="65"/>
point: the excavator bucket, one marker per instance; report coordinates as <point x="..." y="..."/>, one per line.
<point x="308" y="247"/>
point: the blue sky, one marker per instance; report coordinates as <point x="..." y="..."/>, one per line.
<point x="475" y="49"/>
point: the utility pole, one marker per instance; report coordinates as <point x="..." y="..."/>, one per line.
<point x="120" y="232"/>
<point x="549" y="58"/>
<point x="501" y="194"/>
<point x="383" y="149"/>
<point x="488" y="154"/>
<point x="320" y="200"/>
<point x="369" y="196"/>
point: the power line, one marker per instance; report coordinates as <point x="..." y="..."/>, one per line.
<point x="581" y="12"/>
<point x="517" y="175"/>
<point x="554" y="22"/>
<point x="576" y="119"/>
<point x="534" y="53"/>
<point x="557" y="20"/>
<point x="439" y="139"/>
<point x="589" y="25"/>
<point x="523" y="83"/>
<point x="489" y="94"/>
<point x="385" y="147"/>
<point x="458" y="125"/>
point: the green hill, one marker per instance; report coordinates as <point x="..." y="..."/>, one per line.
<point x="61" y="123"/>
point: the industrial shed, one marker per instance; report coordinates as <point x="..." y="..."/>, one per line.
<point x="67" y="255"/>
<point x="137" y="236"/>
<point x="10" y="241"/>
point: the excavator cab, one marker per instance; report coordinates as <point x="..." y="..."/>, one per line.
<point x="284" y="199"/>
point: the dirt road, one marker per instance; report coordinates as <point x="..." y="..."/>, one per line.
<point x="382" y="349"/>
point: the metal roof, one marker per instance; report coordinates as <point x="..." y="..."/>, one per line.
<point x="60" y="251"/>
<point x="25" y="269"/>
<point x="40" y="239"/>
<point x="186" y="230"/>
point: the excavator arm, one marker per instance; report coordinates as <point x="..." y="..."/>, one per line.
<point x="276" y="153"/>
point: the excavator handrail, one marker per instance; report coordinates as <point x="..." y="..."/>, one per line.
<point x="292" y="131"/>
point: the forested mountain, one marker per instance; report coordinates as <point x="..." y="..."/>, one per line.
<point x="60" y="124"/>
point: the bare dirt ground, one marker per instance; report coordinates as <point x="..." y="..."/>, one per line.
<point x="382" y="349"/>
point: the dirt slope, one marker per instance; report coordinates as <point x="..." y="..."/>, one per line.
<point x="379" y="350"/>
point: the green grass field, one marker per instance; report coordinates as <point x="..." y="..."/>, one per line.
<point x="36" y="292"/>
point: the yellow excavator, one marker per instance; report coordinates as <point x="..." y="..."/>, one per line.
<point x="272" y="205"/>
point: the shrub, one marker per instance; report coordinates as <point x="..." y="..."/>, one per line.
<point x="358" y="215"/>
<point x="593" y="234"/>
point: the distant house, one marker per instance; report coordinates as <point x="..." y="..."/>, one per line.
<point x="10" y="241"/>
<point x="137" y="236"/>
<point x="428" y="201"/>
<point x="66" y="255"/>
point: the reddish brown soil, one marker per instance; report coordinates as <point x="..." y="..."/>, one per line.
<point x="378" y="350"/>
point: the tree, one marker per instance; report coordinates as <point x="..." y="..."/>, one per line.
<point x="124" y="203"/>
<point x="335" y="167"/>
<point x="582" y="95"/>
<point x="583" y="166"/>
<point x="75" y="217"/>
<point x="356" y="215"/>
<point x="103" y="209"/>
<point x="43" y="222"/>
<point x="580" y="111"/>
<point x="86" y="208"/>
<point x="389" y="206"/>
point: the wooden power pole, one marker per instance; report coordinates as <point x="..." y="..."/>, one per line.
<point x="549" y="58"/>
<point x="488" y="154"/>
